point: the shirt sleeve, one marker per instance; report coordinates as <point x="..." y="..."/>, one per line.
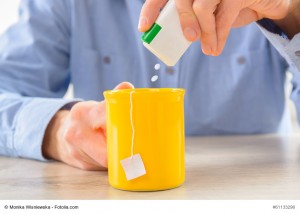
<point x="34" y="76"/>
<point x="290" y="50"/>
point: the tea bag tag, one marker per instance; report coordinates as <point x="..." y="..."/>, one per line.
<point x="133" y="167"/>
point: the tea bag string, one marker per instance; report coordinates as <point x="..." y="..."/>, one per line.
<point x="132" y="125"/>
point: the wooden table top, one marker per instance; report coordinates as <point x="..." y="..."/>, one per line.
<point x="240" y="167"/>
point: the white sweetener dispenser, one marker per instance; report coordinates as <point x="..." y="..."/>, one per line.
<point x="165" y="38"/>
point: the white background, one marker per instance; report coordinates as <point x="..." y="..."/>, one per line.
<point x="8" y="13"/>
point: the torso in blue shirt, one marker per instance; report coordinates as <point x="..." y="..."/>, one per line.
<point x="239" y="92"/>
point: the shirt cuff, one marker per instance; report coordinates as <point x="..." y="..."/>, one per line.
<point x="289" y="49"/>
<point x="272" y="27"/>
<point x="32" y="122"/>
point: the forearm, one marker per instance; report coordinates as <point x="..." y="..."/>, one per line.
<point x="23" y="121"/>
<point x="291" y="23"/>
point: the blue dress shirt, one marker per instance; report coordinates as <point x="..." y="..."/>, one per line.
<point x="95" y="45"/>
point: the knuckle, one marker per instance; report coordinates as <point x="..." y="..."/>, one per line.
<point x="80" y="108"/>
<point x="77" y="133"/>
<point x="72" y="133"/>
<point x="184" y="13"/>
<point x="69" y="134"/>
<point x="199" y="6"/>
<point x="76" y="110"/>
<point x="208" y="33"/>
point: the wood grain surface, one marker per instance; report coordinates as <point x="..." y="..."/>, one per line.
<point x="240" y="167"/>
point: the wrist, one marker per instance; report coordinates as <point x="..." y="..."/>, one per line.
<point x="53" y="137"/>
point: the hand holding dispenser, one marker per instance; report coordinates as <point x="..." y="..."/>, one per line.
<point x="165" y="39"/>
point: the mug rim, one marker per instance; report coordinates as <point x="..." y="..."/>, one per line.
<point x="144" y="91"/>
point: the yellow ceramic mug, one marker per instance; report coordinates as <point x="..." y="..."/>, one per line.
<point x="158" y="119"/>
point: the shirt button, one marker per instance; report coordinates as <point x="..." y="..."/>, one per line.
<point x="106" y="60"/>
<point x="170" y="70"/>
<point x="297" y="53"/>
<point x="241" y="60"/>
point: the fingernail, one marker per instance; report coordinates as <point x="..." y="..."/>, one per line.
<point x="190" y="34"/>
<point x="206" y="51"/>
<point x="143" y="22"/>
<point x="216" y="53"/>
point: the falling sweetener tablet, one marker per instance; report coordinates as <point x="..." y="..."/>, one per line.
<point x="154" y="78"/>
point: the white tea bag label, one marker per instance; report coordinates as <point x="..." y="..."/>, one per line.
<point x="133" y="167"/>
